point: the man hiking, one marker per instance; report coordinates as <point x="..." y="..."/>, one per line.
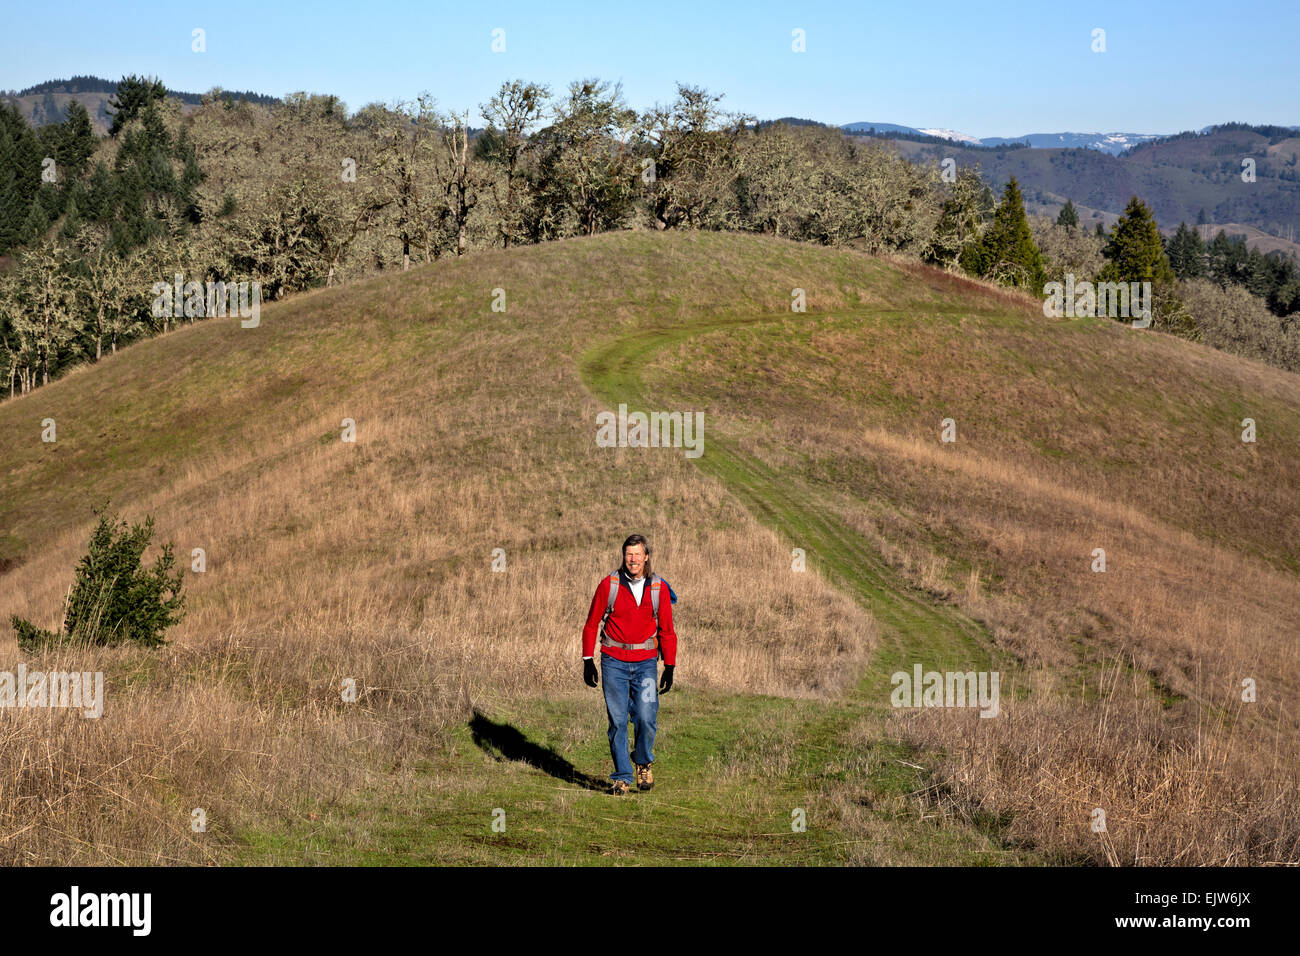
<point x="635" y="627"/>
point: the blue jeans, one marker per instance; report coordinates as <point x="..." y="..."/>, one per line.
<point x="630" y="689"/>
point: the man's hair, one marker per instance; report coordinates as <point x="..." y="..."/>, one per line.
<point x="633" y="539"/>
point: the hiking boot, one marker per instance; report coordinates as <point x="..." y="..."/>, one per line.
<point x="644" y="778"/>
<point x="620" y="788"/>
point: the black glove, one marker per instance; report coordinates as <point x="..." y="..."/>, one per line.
<point x="589" y="672"/>
<point x="666" y="684"/>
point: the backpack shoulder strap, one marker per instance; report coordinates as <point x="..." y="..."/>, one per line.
<point x="654" y="595"/>
<point x="613" y="594"/>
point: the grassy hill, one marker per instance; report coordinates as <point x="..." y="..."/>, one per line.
<point x="475" y="430"/>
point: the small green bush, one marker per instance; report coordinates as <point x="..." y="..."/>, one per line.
<point x="115" y="599"/>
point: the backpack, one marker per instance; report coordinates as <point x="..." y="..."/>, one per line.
<point x="654" y="583"/>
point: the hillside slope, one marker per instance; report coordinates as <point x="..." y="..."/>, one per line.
<point x="475" y="430"/>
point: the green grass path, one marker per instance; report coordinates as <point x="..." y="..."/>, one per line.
<point x="732" y="770"/>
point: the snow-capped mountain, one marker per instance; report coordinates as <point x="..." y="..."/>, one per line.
<point x="1113" y="143"/>
<point x="953" y="135"/>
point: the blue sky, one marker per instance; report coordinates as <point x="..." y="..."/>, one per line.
<point x="986" y="69"/>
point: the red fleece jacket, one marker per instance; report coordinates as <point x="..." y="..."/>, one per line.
<point x="631" y="623"/>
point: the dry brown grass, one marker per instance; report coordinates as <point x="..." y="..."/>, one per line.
<point x="372" y="561"/>
<point x="1070" y="438"/>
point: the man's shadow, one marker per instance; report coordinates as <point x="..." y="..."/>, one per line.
<point x="504" y="742"/>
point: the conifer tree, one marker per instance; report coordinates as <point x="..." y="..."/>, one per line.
<point x="36" y="225"/>
<point x="134" y="93"/>
<point x="1187" y="253"/>
<point x="98" y="203"/>
<point x="1135" y="252"/>
<point x="72" y="221"/>
<point x="1007" y="252"/>
<point x="1220" y="259"/>
<point x="20" y="177"/>
<point x="1068" y="215"/>
<point x="115" y="598"/>
<point x="13" y="199"/>
<point x="77" y="139"/>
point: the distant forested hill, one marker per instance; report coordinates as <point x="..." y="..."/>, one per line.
<point x="48" y="102"/>
<point x="1178" y="176"/>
